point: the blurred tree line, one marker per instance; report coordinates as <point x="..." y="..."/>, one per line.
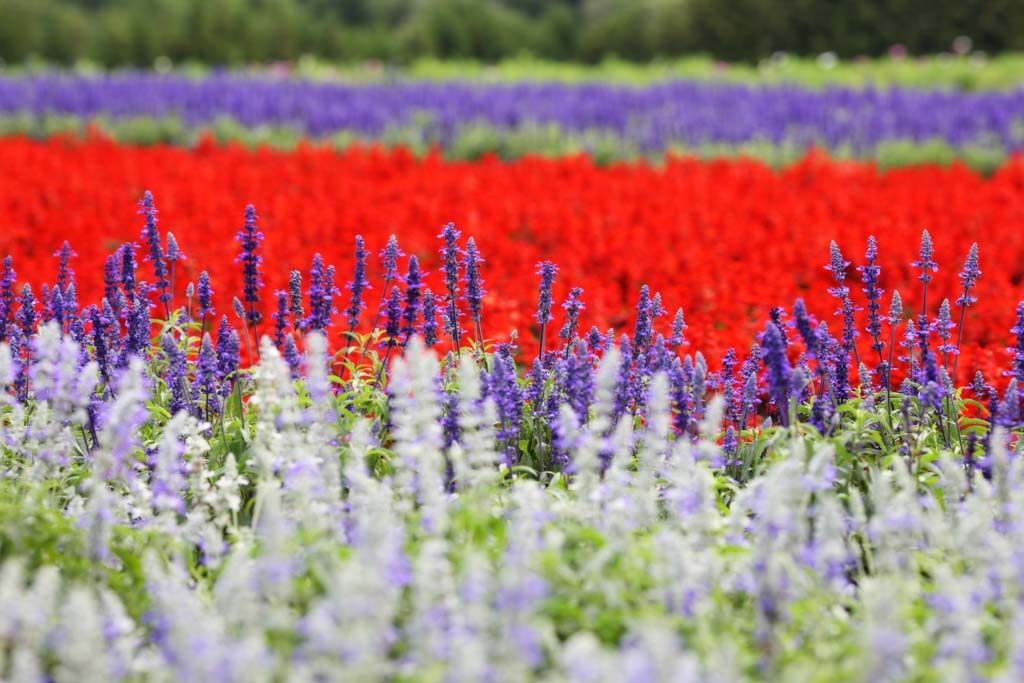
<point x="135" y="32"/>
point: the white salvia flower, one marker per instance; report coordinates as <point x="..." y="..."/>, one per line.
<point x="278" y="442"/>
<point x="474" y="458"/>
<point x="7" y="367"/>
<point x="323" y="416"/>
<point x="471" y="622"/>
<point x="81" y="647"/>
<point x="884" y="643"/>
<point x="418" y="435"/>
<point x="589" y="441"/>
<point x="195" y="644"/>
<point x="707" y="447"/>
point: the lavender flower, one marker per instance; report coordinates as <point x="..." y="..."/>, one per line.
<point x="357" y="286"/>
<point x="251" y="239"/>
<point x="151" y="237"/>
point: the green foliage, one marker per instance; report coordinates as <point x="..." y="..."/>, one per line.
<point x="137" y="32"/>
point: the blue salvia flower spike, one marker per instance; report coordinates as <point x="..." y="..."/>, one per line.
<point x="252" y="280"/>
<point x="151" y="238"/>
<point x="357" y="287"/>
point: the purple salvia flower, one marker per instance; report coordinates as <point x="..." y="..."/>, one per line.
<point x="678" y="328"/>
<point x="112" y="275"/>
<point x="174" y="253"/>
<point x="869" y="276"/>
<point x="644" y="317"/>
<point x="777" y="316"/>
<point x="321" y="296"/>
<point x="450" y="258"/>
<point x="838" y="267"/>
<point x="44" y="297"/>
<point x="508" y="398"/>
<point x="205" y="384"/>
<point x="128" y="269"/>
<point x="357" y="286"/>
<point x="474" y="285"/>
<point x="7" y="297"/>
<point x="99" y="345"/>
<point x="65" y="275"/>
<point x="175" y="374"/>
<point x="580" y="381"/>
<point x="238" y="308"/>
<point x="26" y="318"/>
<point x="924" y="261"/>
<point x="547" y="271"/>
<point x="572" y="306"/>
<point x="190" y="290"/>
<point x="229" y="350"/>
<point x="969" y="277"/>
<point x="413" y="295"/>
<point x="55" y="307"/>
<point x="389" y="258"/>
<point x="137" y="339"/>
<point x="292" y="357"/>
<point x="779" y="371"/>
<point x="595" y="340"/>
<point x="1018" y="351"/>
<point x="393" y="326"/>
<point x="943" y="327"/>
<point x="804" y="325"/>
<point x="295" y="299"/>
<point x="151" y="237"/>
<point x="623" y="380"/>
<point x="70" y="298"/>
<point x="280" y="317"/>
<point x="251" y="239"/>
<point x="429" y="319"/>
<point x="205" y="296"/>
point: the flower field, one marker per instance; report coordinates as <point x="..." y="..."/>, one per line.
<point x="379" y="414"/>
<point x="611" y="121"/>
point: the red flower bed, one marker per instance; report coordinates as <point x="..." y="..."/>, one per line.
<point x="724" y="240"/>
